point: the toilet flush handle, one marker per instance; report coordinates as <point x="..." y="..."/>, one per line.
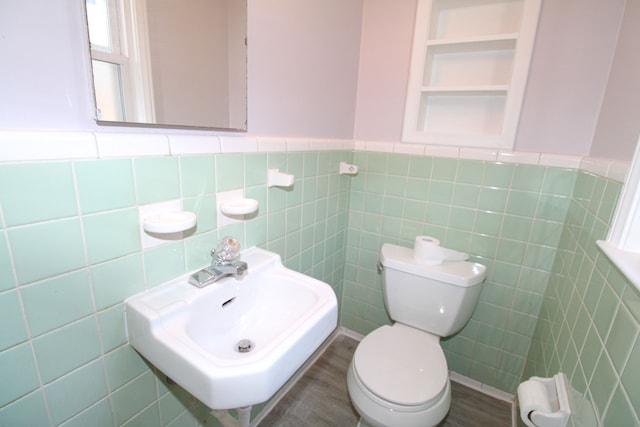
<point x="380" y="267"/>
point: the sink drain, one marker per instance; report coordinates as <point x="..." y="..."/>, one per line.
<point x="244" y="346"/>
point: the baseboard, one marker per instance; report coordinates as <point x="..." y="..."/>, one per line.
<point x="350" y="333"/>
<point x="454" y="376"/>
<point x="489" y="391"/>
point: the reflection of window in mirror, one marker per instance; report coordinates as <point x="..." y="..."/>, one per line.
<point x="120" y="51"/>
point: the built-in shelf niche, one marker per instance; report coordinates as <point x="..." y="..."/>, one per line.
<point x="469" y="69"/>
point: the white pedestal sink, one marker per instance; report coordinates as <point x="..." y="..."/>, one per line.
<point x="235" y="342"/>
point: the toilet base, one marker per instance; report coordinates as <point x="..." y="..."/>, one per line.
<point x="375" y="412"/>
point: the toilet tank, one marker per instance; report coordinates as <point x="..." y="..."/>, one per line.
<point x="438" y="299"/>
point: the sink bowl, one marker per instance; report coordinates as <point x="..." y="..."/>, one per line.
<point x="235" y="342"/>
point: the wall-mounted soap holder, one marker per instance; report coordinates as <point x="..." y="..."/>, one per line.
<point x="275" y="178"/>
<point x="165" y="221"/>
<point x="348" y="169"/>
<point x="169" y="222"/>
<point x="233" y="207"/>
<point x="239" y="207"/>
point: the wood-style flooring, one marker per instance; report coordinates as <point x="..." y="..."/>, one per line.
<point x="320" y="398"/>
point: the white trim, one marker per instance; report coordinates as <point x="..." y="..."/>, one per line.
<point x="112" y="145"/>
<point x="623" y="242"/>
<point x="29" y="145"/>
<point x="509" y="94"/>
<point x="625" y="229"/>
<point x="628" y="262"/>
<point x="351" y="333"/>
<point x="35" y="145"/>
<point x="481" y="387"/>
<point x="193" y="144"/>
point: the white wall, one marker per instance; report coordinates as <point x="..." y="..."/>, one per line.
<point x="43" y="78"/>
<point x="572" y="57"/>
<point x="303" y="67"/>
<point x="311" y="75"/>
<point x="303" y="64"/>
<point x="620" y="115"/>
<point x="385" y="56"/>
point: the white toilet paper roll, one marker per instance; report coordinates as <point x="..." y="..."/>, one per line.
<point x="533" y="396"/>
<point x="427" y="250"/>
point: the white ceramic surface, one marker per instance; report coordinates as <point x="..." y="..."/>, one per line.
<point x="170" y="222"/>
<point x="191" y="334"/>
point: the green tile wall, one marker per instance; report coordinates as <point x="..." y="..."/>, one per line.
<point x="551" y="300"/>
<point x="590" y="318"/>
<point x="507" y="216"/>
<point x="70" y="253"/>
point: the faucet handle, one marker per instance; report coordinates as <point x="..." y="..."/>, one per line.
<point x="228" y="249"/>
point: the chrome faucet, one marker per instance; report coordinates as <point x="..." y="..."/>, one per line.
<point x="224" y="263"/>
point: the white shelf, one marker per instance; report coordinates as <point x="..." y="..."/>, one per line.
<point x="472" y="18"/>
<point x="473" y="40"/>
<point x="496" y="89"/>
<point x="469" y="69"/>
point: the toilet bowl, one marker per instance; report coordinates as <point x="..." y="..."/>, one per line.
<point x="398" y="376"/>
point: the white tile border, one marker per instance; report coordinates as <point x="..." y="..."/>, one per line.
<point x="36" y="145"/>
<point x="478" y="154"/>
<point x="520" y="157"/>
<point x="438" y="151"/>
<point x="193" y="144"/>
<point x="41" y="145"/>
<point x="559" y="160"/>
<point x="272" y="144"/>
<point x="117" y="145"/>
<point x="230" y="144"/>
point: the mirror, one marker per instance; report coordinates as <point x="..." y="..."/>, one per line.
<point x="169" y="63"/>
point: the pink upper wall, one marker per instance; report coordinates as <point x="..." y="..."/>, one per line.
<point x="619" y="119"/>
<point x="570" y="67"/>
<point x="303" y="67"/>
<point x="385" y="55"/>
<point x="338" y="69"/>
<point x="572" y="57"/>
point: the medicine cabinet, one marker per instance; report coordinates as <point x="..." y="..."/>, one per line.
<point x="469" y="68"/>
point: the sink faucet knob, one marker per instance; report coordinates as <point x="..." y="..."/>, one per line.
<point x="228" y="249"/>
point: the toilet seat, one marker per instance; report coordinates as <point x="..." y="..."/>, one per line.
<point x="402" y="365"/>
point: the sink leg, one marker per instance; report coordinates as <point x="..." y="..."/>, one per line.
<point x="228" y="420"/>
<point x="244" y="416"/>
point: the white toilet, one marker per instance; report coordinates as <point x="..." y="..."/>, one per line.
<point x="398" y="376"/>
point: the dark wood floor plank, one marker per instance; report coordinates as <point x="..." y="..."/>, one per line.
<point x="320" y="398"/>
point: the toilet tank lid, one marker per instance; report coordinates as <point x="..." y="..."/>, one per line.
<point x="459" y="273"/>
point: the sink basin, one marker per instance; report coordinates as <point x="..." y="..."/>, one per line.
<point x="235" y="342"/>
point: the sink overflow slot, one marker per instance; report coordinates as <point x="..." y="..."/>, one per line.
<point x="230" y="300"/>
<point x="244" y="346"/>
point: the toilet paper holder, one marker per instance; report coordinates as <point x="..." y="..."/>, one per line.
<point x="544" y="402"/>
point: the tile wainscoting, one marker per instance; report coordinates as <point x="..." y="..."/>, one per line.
<point x="70" y="253"/>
